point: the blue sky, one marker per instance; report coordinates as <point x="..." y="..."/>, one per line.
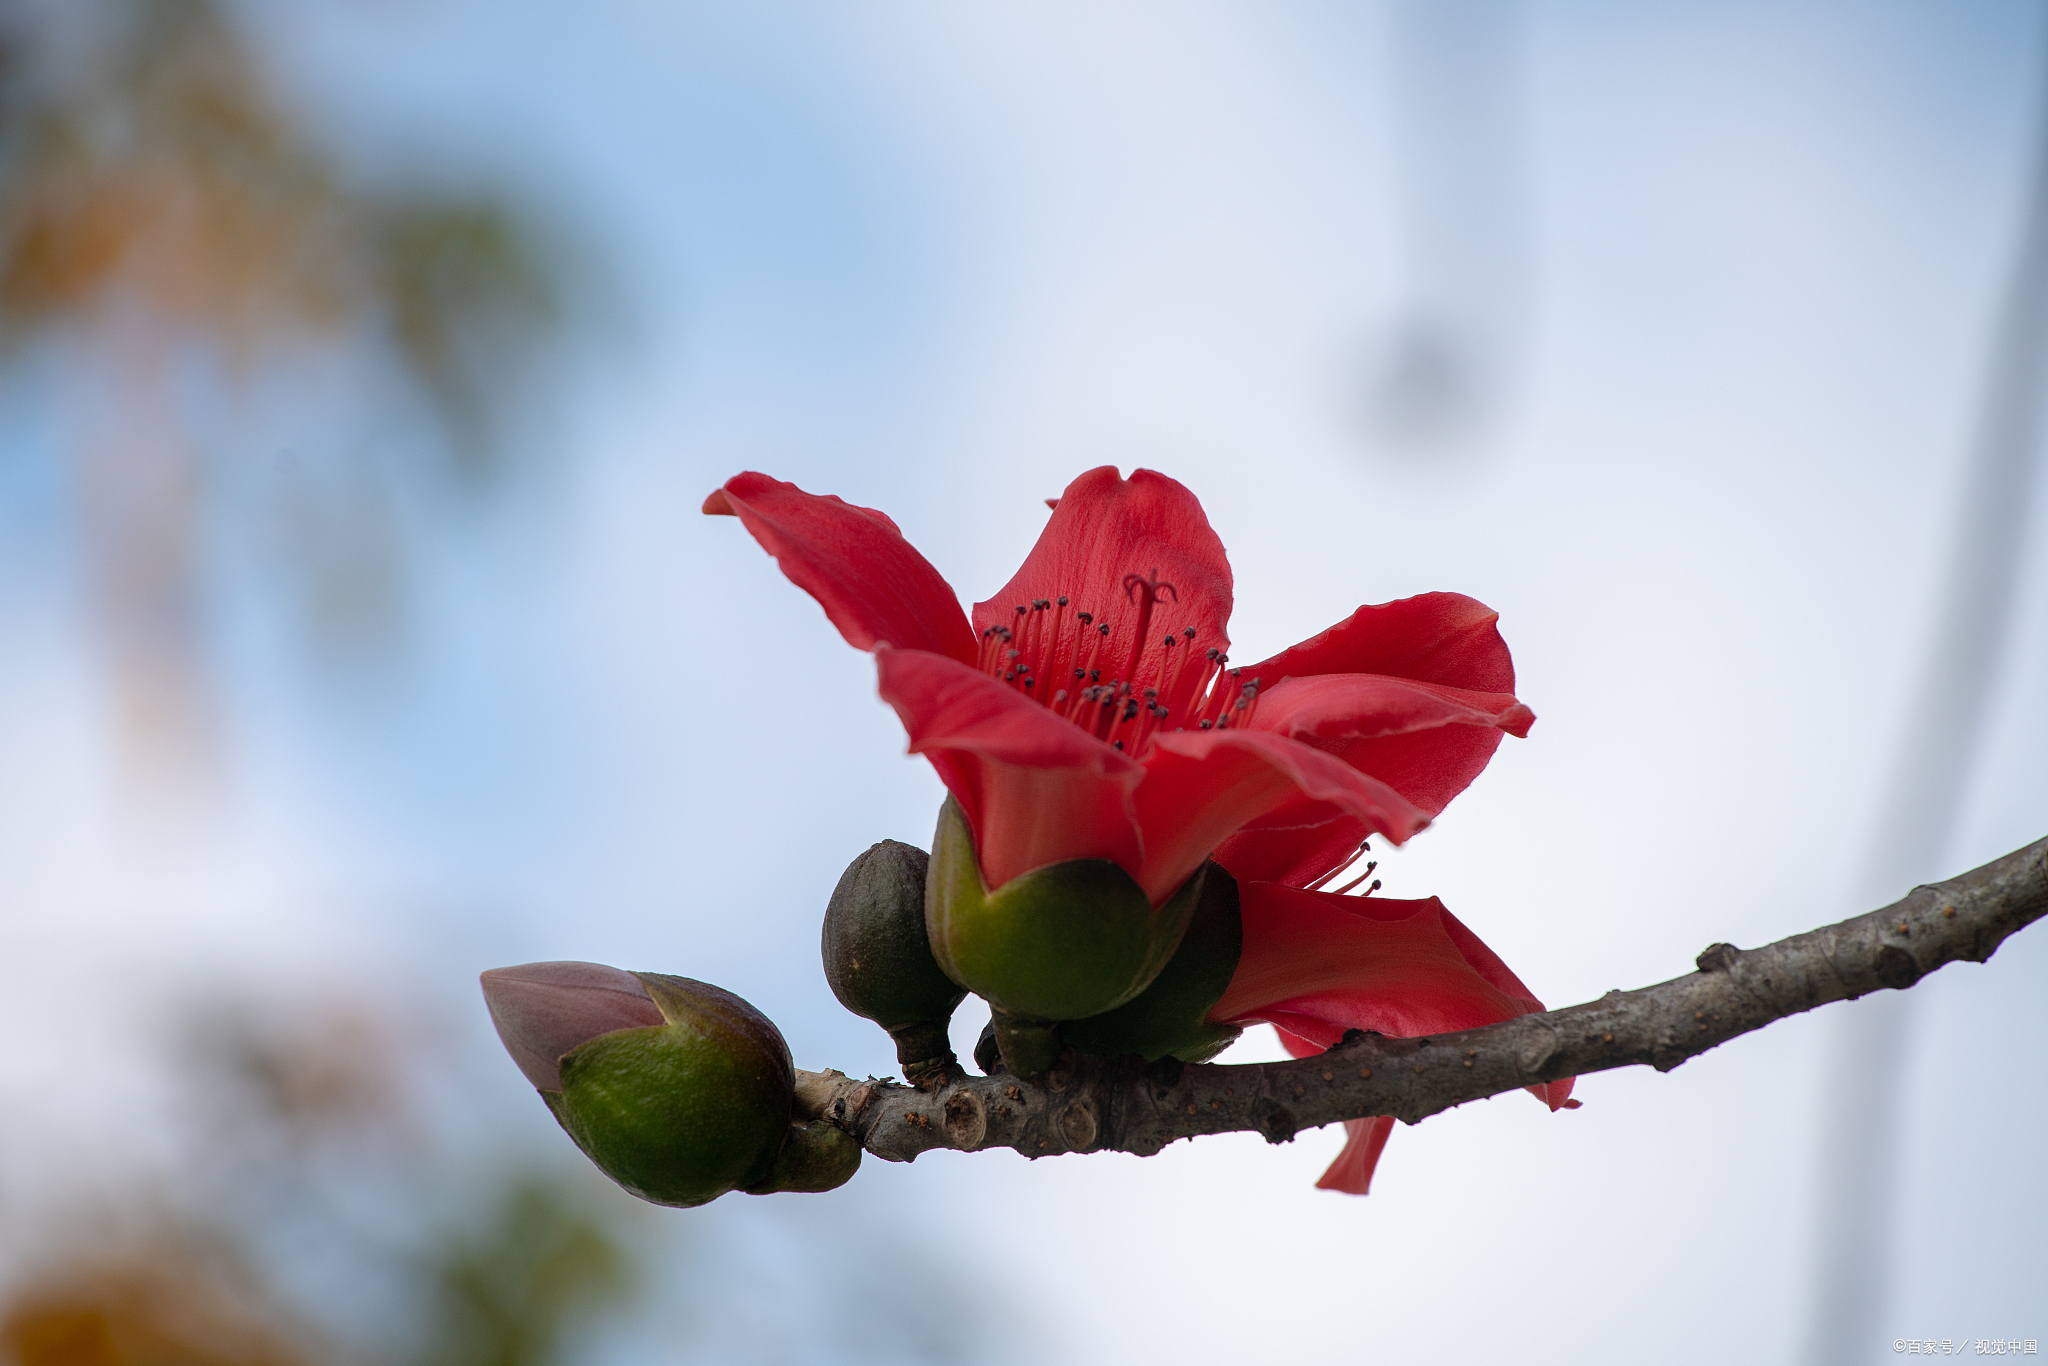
<point x="939" y="259"/>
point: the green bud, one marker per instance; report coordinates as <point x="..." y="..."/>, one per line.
<point x="878" y="960"/>
<point x="815" y="1157"/>
<point x="676" y="1089"/>
<point x="1062" y="942"/>
<point x="1170" y="1017"/>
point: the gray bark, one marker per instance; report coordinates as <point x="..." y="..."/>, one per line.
<point x="1086" y="1104"/>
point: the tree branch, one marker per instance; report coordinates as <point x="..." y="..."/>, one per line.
<point x="1087" y="1104"/>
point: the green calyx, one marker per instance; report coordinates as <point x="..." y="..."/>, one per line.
<point x="814" y="1157"/>
<point x="1170" y="1017"/>
<point x="878" y="960"/>
<point x="1062" y="942"/>
<point x="682" y="1112"/>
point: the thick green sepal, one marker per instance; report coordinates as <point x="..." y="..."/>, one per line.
<point x="878" y="960"/>
<point x="1027" y="1047"/>
<point x="1169" y="1018"/>
<point x="1061" y="942"/>
<point x="682" y="1112"/>
<point x="815" y="1157"/>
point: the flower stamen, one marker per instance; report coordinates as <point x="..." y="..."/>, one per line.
<point x="1364" y="848"/>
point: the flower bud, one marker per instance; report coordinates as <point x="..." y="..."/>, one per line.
<point x="1061" y="942"/>
<point x="1170" y="1017"/>
<point x="879" y="961"/>
<point x="676" y="1089"/>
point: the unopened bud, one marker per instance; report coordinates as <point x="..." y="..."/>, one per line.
<point x="879" y="960"/>
<point x="678" y="1090"/>
<point x="543" y="1010"/>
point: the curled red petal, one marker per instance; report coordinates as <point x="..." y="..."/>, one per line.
<point x="1295" y="843"/>
<point x="1324" y="963"/>
<point x="1036" y="788"/>
<point x="1329" y="709"/>
<point x="1201" y="785"/>
<point x="1315" y="964"/>
<point x="1105" y="528"/>
<point x="874" y="585"/>
<point x="1425" y="741"/>
<point x="1364" y="1140"/>
<point x="1444" y="638"/>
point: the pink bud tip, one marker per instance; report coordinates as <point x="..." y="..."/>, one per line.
<point x="543" y="1010"/>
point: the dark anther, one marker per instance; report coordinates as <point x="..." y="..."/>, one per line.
<point x="1095" y="675"/>
<point x="1169" y="642"/>
<point x="1084" y="617"/>
<point x="1189" y="633"/>
<point x="1212" y="653"/>
<point x="1104" y="628"/>
<point x="1063" y="602"/>
<point x="1208" y="725"/>
<point x="1080" y="674"/>
<point x="1022" y="609"/>
<point x="1118" y="745"/>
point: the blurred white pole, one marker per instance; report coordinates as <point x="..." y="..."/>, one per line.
<point x="1861" y="1124"/>
<point x="1441" y="371"/>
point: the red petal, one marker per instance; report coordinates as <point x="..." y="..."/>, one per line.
<point x="1329" y="709"/>
<point x="871" y="582"/>
<point x="1295" y="844"/>
<point x="1201" y="785"/>
<point x="1104" y="527"/>
<point x="1425" y="741"/>
<point x="1364" y="1139"/>
<point x="1316" y="964"/>
<point x="1320" y="964"/>
<point x="1036" y="788"/>
<point x="1443" y="638"/>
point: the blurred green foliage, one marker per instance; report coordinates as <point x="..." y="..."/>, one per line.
<point x="143" y="166"/>
<point x="508" y="1290"/>
<point x="294" y="1125"/>
<point x="162" y="217"/>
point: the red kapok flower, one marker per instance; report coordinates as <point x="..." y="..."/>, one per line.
<point x="1091" y="711"/>
<point x="1315" y="964"/>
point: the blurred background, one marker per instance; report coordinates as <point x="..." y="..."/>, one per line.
<point x="363" y="364"/>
